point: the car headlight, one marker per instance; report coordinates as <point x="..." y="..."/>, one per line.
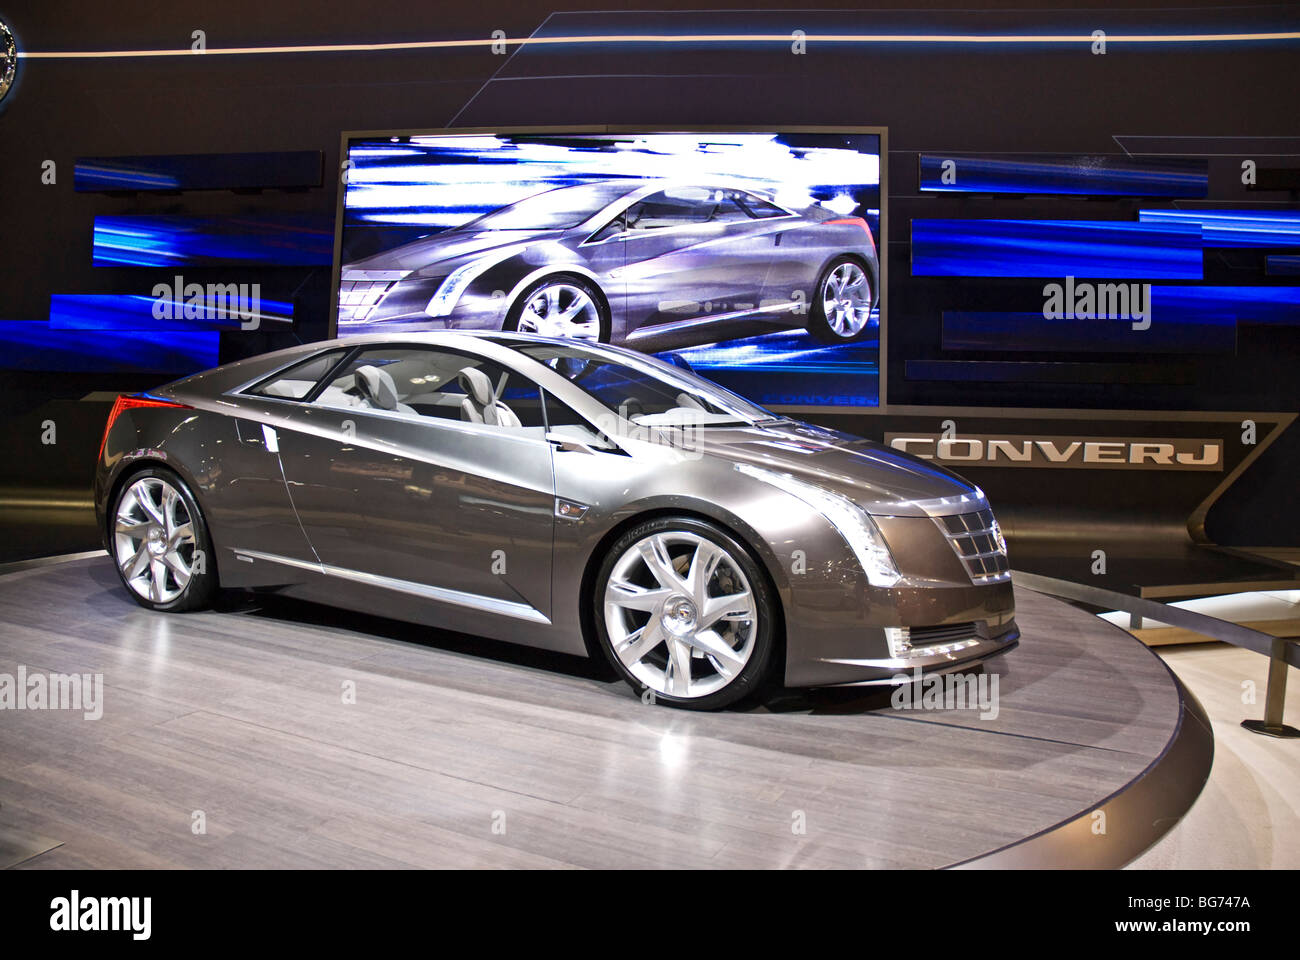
<point x="852" y="522"/>
<point x="445" y="299"/>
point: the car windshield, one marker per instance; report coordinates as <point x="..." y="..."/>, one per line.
<point x="557" y="209"/>
<point x="642" y="389"/>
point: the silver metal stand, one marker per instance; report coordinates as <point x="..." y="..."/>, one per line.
<point x="1275" y="698"/>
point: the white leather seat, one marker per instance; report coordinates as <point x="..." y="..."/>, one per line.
<point x="378" y="389"/>
<point x="481" y="404"/>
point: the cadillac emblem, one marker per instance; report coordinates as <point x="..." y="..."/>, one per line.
<point x="8" y="59"/>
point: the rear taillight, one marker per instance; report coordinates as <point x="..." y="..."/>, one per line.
<point x="131" y="402"/>
<point x="850" y="221"/>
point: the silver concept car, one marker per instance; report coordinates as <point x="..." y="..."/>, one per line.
<point x="568" y="495"/>
<point x="647" y="263"/>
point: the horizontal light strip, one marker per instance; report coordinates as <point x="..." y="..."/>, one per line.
<point x="853" y="38"/>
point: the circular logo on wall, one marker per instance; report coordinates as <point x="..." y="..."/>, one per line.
<point x="8" y="59"/>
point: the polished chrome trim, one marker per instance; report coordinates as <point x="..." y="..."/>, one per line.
<point x="474" y="601"/>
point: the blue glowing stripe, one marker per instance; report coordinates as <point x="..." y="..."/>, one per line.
<point x="125" y="312"/>
<point x="1169" y="373"/>
<point x="1056" y="248"/>
<point x="1006" y="332"/>
<point x="1072" y="175"/>
<point x="200" y="171"/>
<point x="34" y="345"/>
<point x="1271" y="305"/>
<point x="175" y="241"/>
<point x="790" y="368"/>
<point x="1234" y="228"/>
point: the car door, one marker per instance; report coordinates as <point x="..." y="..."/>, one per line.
<point x="262" y="543"/>
<point x="399" y="490"/>
<point x="690" y="254"/>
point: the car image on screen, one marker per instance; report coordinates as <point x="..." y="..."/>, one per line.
<point x="648" y="263"/>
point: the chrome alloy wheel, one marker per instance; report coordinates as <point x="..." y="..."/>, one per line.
<point x="846" y="299"/>
<point x="680" y="614"/>
<point x="561" y="310"/>
<point x="153" y="540"/>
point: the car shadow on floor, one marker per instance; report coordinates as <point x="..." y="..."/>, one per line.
<point x="773" y="698"/>
<point x="293" y="610"/>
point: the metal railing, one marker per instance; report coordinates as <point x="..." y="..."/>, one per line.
<point x="1280" y="651"/>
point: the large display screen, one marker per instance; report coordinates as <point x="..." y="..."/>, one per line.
<point x="754" y="257"/>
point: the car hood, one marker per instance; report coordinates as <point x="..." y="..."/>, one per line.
<point x="442" y="250"/>
<point x="883" y="481"/>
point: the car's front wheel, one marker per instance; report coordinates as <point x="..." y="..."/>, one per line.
<point x="841" y="312"/>
<point x="160" y="543"/>
<point x="561" y="306"/>
<point x="683" y="611"/>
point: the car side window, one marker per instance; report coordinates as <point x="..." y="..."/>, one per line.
<point x="562" y="421"/>
<point x="297" y="381"/>
<point x="671" y="208"/>
<point x="441" y="384"/>
<point x="728" y="209"/>
<point x="757" y="207"/>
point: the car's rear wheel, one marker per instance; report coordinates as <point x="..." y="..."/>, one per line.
<point x="160" y="543"/>
<point x="683" y="611"/>
<point x="561" y="306"/>
<point x="841" y="311"/>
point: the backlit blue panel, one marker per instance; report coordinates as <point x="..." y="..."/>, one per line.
<point x="1184" y="320"/>
<point x="1273" y="305"/>
<point x="790" y="368"/>
<point x="175" y="241"/>
<point x="1071" y="175"/>
<point x="125" y="312"/>
<point x="1029" y="332"/>
<point x="1051" y="371"/>
<point x="1056" y="248"/>
<point x="33" y="345"/>
<point x="1235" y="228"/>
<point x="200" y="171"/>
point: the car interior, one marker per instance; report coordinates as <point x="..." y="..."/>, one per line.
<point x="430" y="383"/>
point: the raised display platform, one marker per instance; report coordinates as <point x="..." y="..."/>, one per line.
<point x="463" y="752"/>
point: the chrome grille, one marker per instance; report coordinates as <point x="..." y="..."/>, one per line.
<point x="358" y="298"/>
<point x="976" y="539"/>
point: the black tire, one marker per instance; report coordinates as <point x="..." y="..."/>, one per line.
<point x="818" y="324"/>
<point x="516" y="311"/>
<point x="202" y="585"/>
<point x="764" y="634"/>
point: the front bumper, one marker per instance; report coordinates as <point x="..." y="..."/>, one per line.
<point x="896" y="671"/>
